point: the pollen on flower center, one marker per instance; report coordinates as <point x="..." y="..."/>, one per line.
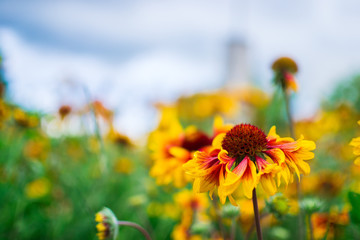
<point x="244" y="140"/>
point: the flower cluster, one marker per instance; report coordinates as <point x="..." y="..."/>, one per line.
<point x="244" y="156"/>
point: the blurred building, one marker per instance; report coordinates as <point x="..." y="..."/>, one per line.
<point x="238" y="69"/>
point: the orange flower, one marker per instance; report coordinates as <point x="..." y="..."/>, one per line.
<point x="244" y="156"/>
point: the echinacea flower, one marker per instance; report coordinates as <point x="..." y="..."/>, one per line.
<point x="285" y="68"/>
<point x="244" y="156"/>
<point x="355" y="142"/>
<point x="107" y="224"/>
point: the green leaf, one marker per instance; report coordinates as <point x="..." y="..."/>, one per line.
<point x="354" y="199"/>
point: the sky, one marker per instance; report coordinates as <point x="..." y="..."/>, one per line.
<point x="131" y="54"/>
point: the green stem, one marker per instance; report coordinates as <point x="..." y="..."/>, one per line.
<point x="288" y="113"/>
<point x="233" y="228"/>
<point x="136" y="226"/>
<point x="102" y="156"/>
<point x="311" y="232"/>
<point x="218" y="216"/>
<point x="257" y="216"/>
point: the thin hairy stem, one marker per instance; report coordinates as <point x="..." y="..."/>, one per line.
<point x="136" y="226"/>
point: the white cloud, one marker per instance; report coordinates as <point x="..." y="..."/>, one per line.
<point x="44" y="79"/>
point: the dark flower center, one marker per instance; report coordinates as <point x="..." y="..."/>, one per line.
<point x="196" y="141"/>
<point x="244" y="140"/>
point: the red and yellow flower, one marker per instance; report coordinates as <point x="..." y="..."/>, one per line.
<point x="244" y="156"/>
<point x="172" y="146"/>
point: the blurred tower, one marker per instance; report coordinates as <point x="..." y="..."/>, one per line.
<point x="237" y="73"/>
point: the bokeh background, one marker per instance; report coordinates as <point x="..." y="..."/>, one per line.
<point x="90" y="85"/>
<point x="130" y="54"/>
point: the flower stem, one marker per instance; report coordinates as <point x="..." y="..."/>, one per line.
<point x="138" y="227"/>
<point x="288" y="113"/>
<point x="233" y="228"/>
<point x="218" y="215"/>
<point x="257" y="216"/>
<point x="311" y="232"/>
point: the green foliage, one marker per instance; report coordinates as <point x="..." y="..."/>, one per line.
<point x="354" y="199"/>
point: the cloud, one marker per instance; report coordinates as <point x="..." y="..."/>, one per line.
<point x="43" y="79"/>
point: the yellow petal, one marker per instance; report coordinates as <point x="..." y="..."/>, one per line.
<point x="218" y="140"/>
<point x="179" y="152"/>
<point x="357" y="161"/>
<point x="268" y="184"/>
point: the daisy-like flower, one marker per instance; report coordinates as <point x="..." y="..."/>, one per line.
<point x="296" y="153"/>
<point x="355" y="142"/>
<point x="285" y="68"/>
<point x="245" y="156"/>
<point x="173" y="146"/>
<point x="107" y="224"/>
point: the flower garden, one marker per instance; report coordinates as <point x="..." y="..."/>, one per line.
<point x="227" y="164"/>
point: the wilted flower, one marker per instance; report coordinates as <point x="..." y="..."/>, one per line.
<point x="107" y="226"/>
<point x="284" y="69"/>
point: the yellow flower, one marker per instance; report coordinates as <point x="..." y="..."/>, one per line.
<point x="355" y="142"/>
<point x="37" y="188"/>
<point x="119" y="139"/>
<point x="23" y="119"/>
<point x="204" y="105"/>
<point x="193" y="208"/>
<point x="244" y="156"/>
<point x="123" y="165"/>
